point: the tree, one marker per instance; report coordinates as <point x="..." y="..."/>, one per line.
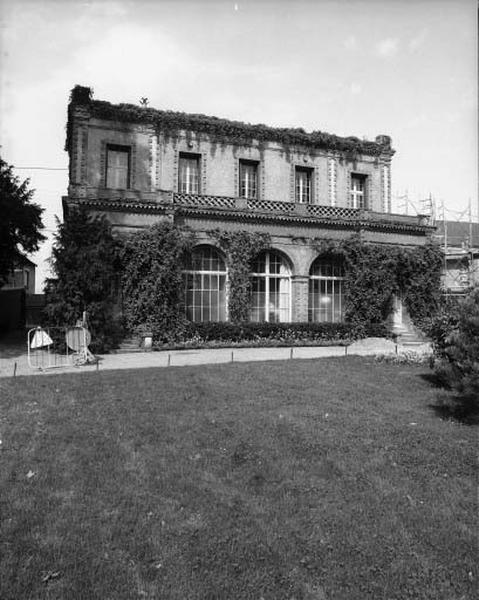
<point x="20" y="220"/>
<point x="85" y="261"/>
<point x="457" y="351"/>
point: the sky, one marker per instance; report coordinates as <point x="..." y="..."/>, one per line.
<point x="349" y="67"/>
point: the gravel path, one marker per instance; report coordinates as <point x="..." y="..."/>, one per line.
<point x="16" y="363"/>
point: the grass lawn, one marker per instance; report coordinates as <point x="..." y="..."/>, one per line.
<point x="316" y="480"/>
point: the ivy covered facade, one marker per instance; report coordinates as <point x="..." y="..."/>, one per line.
<point x="284" y="225"/>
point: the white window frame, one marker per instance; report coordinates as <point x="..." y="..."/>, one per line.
<point x="189" y="176"/>
<point x="113" y="172"/>
<point x="303" y="177"/>
<point x="358" y="191"/>
<point x="334" y="284"/>
<point x="248" y="186"/>
<point x="267" y="275"/>
<point x="206" y="309"/>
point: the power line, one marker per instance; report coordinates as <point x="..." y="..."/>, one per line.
<point x="43" y="168"/>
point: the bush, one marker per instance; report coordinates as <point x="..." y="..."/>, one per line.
<point x="276" y="334"/>
<point x="440" y="325"/>
<point x="457" y="353"/>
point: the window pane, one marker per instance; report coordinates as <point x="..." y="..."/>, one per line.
<point x="248" y="179"/>
<point x="188" y="175"/>
<point x="302" y="185"/>
<point x="259" y="265"/>
<point x="117" y="173"/>
<point x="358" y="191"/>
<point x="326" y="291"/>
<point x="271" y="290"/>
<point x="205" y="298"/>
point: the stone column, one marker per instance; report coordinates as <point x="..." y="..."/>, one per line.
<point x="299" y="298"/>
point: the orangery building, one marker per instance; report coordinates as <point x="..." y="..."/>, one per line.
<point x="138" y="166"/>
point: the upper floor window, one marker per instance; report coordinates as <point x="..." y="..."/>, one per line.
<point x="117" y="167"/>
<point x="248" y="180"/>
<point x="303" y="185"/>
<point x="189" y="173"/>
<point x="358" y="191"/>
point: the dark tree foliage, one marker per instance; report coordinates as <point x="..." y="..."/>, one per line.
<point x="457" y="351"/>
<point x="20" y="220"/>
<point x="152" y="280"/>
<point x="85" y="261"/>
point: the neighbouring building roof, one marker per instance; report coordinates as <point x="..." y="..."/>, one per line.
<point x="458" y="233"/>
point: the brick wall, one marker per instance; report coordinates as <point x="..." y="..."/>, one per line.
<point x="154" y="164"/>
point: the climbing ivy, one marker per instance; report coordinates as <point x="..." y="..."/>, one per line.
<point x="224" y="131"/>
<point x="240" y="248"/>
<point x="152" y="282"/>
<point x="375" y="272"/>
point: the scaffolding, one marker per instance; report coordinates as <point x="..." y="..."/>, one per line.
<point x="424" y="207"/>
<point x="458" y="235"/>
<point x="459" y="239"/>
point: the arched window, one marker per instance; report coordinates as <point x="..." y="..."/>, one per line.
<point x="205" y="285"/>
<point x="271" y="285"/>
<point x="326" y="291"/>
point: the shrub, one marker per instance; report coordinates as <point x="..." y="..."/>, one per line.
<point x="441" y="324"/>
<point x="457" y="364"/>
<point x="277" y="334"/>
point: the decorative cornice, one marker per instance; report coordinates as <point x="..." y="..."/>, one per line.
<point x="248" y="215"/>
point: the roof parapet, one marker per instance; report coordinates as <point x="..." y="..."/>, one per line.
<point x="235" y="132"/>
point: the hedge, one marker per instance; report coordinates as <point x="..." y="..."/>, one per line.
<point x="277" y="334"/>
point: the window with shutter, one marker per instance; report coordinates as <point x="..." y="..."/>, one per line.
<point x="189" y="173"/>
<point x="358" y="197"/>
<point x="303" y="185"/>
<point x="117" y="167"/>
<point x="248" y="187"/>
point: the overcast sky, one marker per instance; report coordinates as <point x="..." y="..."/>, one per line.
<point x="363" y="67"/>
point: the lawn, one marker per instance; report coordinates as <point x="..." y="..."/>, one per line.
<point x="316" y="480"/>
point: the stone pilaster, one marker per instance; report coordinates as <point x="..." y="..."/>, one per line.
<point x="332" y="176"/>
<point x="386" y="187"/>
<point x="299" y="298"/>
<point x="153" y="142"/>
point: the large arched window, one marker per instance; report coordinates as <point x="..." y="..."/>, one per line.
<point x="271" y="285"/>
<point x="205" y="285"/>
<point x="326" y="291"/>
